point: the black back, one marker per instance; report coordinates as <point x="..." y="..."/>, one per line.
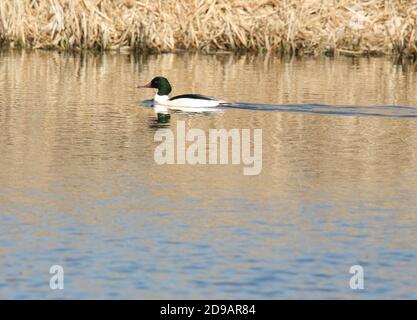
<point x="192" y="96"/>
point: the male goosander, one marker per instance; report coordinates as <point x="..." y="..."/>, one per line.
<point x="185" y="100"/>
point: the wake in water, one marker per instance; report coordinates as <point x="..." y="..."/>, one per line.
<point x="370" y="111"/>
<point x="340" y="110"/>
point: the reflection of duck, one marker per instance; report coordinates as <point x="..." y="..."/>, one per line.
<point x="163" y="117"/>
<point x="183" y="101"/>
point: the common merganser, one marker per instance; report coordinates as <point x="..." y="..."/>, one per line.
<point x="182" y="101"/>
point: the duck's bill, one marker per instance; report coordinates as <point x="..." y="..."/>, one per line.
<point x="148" y="85"/>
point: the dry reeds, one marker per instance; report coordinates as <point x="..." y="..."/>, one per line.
<point x="286" y="26"/>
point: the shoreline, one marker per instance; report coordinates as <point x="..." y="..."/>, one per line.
<point x="292" y="27"/>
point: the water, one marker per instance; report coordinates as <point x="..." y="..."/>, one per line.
<point x="79" y="186"/>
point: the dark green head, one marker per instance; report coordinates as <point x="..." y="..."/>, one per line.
<point x="160" y="83"/>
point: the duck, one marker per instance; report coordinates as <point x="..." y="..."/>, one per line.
<point x="162" y="98"/>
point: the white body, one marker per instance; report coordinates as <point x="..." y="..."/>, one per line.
<point x="186" y="102"/>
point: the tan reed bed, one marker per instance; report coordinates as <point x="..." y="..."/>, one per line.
<point x="285" y="26"/>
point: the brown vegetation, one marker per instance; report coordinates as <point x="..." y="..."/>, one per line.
<point x="285" y="26"/>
